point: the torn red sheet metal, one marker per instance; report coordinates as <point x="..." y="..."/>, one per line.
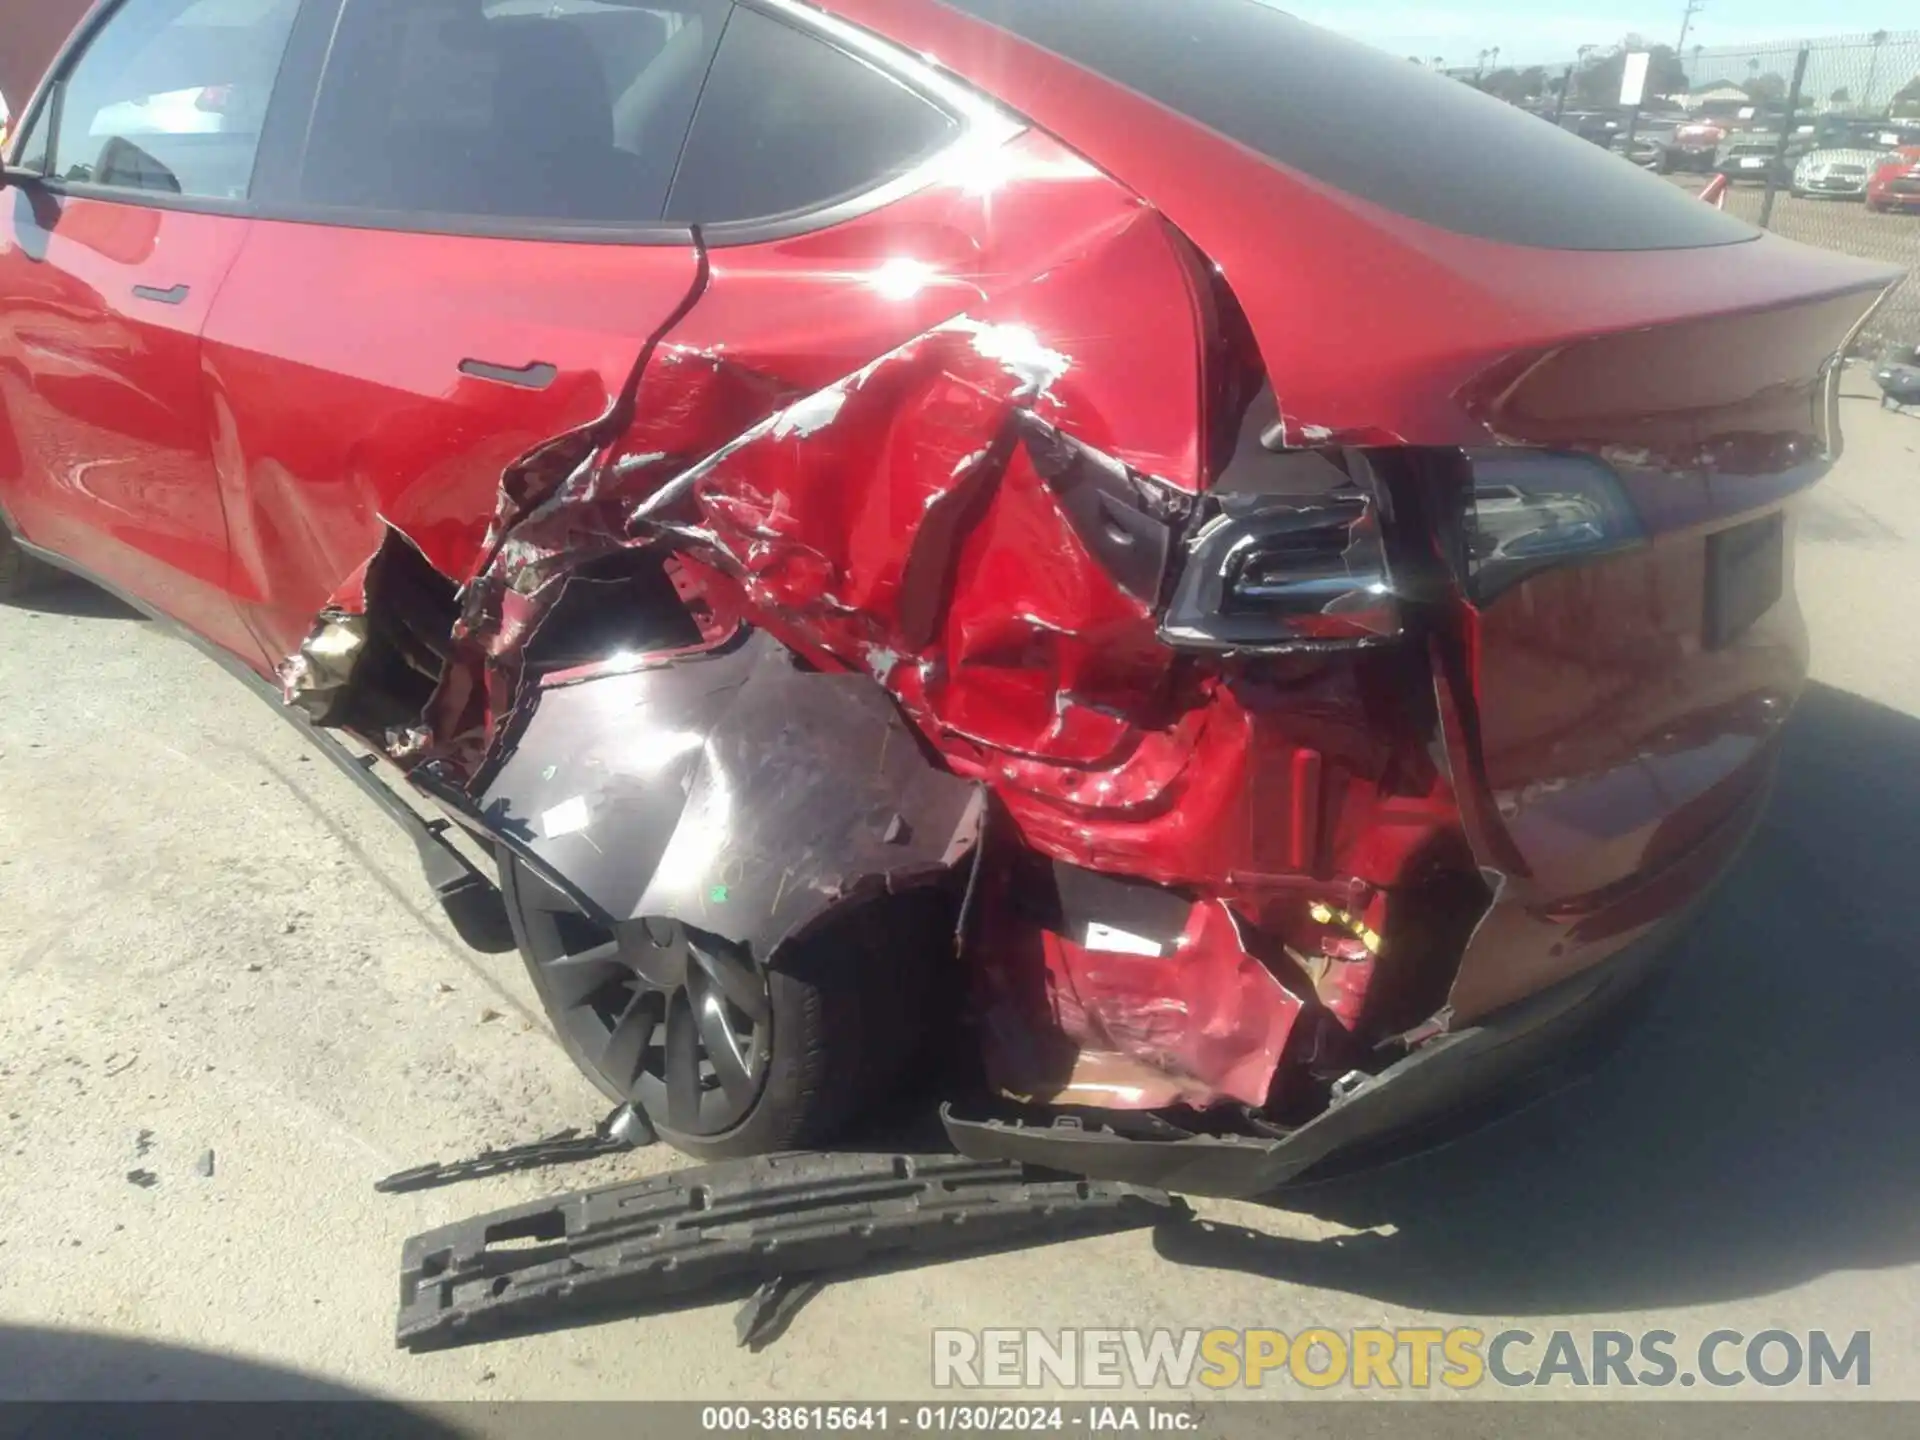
<point x="982" y="519"/>
<point x="1116" y="1020"/>
<point x="312" y="677"/>
<point x="955" y="575"/>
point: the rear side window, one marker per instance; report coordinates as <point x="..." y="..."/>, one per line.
<point x="790" y="123"/>
<point x="1368" y="123"/>
<point x="539" y="111"/>
<point x="169" y="97"/>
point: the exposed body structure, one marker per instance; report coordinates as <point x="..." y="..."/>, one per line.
<point x="1263" y="570"/>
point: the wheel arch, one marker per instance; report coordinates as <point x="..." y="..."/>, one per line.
<point x="738" y="791"/>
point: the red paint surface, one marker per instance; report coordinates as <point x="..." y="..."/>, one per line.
<point x="1376" y="329"/>
<point x="325" y="429"/>
<point x="1904" y="167"/>
<point x="1624" y="760"/>
<point x="104" y="406"/>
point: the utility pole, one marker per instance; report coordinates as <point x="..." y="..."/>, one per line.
<point x="1694" y="7"/>
<point x="1879" y="38"/>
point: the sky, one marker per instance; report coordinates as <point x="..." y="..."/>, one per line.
<point x="1530" y="31"/>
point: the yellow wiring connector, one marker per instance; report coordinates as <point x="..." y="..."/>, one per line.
<point x="1324" y="914"/>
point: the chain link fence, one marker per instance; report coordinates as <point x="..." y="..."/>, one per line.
<point x="1818" y="140"/>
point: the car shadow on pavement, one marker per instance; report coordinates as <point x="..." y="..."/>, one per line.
<point x="82" y="1382"/>
<point x="1754" y="1131"/>
<point x="70" y="595"/>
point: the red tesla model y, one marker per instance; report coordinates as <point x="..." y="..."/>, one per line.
<point x="1243" y="581"/>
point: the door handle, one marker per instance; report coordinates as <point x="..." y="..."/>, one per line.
<point x="166" y="297"/>
<point x="537" y="376"/>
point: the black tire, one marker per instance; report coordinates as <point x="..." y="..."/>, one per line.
<point x="828" y="1033"/>
<point x="20" y="573"/>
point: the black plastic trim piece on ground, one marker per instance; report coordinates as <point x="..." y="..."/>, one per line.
<point x="625" y="1129"/>
<point x="715" y="1228"/>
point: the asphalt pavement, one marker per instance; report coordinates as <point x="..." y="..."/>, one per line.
<point x="210" y="942"/>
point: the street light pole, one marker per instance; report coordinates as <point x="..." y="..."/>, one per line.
<point x="1694" y="7"/>
<point x="1879" y="38"/>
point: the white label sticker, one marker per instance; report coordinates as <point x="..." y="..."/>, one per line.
<point x="566" y="818"/>
<point x="1120" y="942"/>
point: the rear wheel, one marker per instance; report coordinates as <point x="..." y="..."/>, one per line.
<point x="728" y="1057"/>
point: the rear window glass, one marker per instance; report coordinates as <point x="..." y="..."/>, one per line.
<point x="1368" y="122"/>
<point x="533" y="111"/>
<point x="789" y="123"/>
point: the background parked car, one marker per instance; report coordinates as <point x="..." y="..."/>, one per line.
<point x="1651" y="147"/>
<point x="1596" y="125"/>
<point x="1896" y="184"/>
<point x="1752" y="157"/>
<point x="1846" y="154"/>
<point x="1841" y="174"/>
<point x="1695" y="147"/>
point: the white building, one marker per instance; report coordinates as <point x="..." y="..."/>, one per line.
<point x="1723" y="91"/>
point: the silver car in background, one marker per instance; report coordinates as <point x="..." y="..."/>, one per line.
<point x="1839" y="174"/>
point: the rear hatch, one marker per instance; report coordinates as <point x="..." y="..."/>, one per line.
<point x="1630" y="640"/>
<point x="1640" y="384"/>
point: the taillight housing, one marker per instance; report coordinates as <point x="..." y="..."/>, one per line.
<point x="1291" y="551"/>
<point x="1532" y="509"/>
<point x="1287" y="556"/>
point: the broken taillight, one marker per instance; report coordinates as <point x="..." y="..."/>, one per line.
<point x="1290" y="555"/>
<point x="1533" y="509"/>
<point x="1290" y="558"/>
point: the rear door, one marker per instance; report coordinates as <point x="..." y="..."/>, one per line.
<point x="465" y="259"/>
<point x="108" y="267"/>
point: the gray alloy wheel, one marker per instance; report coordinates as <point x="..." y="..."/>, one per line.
<point x="729" y="1057"/>
<point x="676" y="1021"/>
